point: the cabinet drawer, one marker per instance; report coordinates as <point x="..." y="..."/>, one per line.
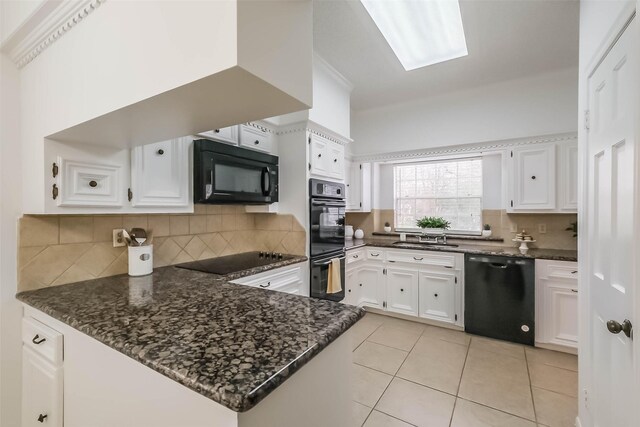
<point x="284" y="280"/>
<point x="375" y="254"/>
<point x="557" y="269"/>
<point x="88" y="184"/>
<point x="228" y="135"/>
<point x="42" y="388"/>
<point x="255" y="138"/>
<point x="423" y="258"/>
<point x="355" y="256"/>
<point x="42" y="340"/>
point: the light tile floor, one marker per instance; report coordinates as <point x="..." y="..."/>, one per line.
<point x="411" y="374"/>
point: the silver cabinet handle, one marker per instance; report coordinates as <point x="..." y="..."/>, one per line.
<point x="372" y="254"/>
<point x="266" y="286"/>
<point x="37" y="341"/>
<point x="417" y="259"/>
<point x="574" y="272"/>
<point x="574" y="291"/>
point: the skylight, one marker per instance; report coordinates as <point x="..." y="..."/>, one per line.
<point x="420" y="32"/>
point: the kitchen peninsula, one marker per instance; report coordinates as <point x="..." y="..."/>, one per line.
<point x="201" y="351"/>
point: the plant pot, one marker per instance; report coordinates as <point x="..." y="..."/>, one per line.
<point x="359" y="234"/>
<point x="348" y="231"/>
<point x="433" y="231"/>
<point x="486" y="233"/>
<point x="387" y="229"/>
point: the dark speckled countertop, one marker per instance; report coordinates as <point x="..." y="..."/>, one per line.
<point x="552" y="254"/>
<point x="231" y="343"/>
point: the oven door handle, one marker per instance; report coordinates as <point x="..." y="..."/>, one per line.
<point x="334" y="204"/>
<point x="265" y="183"/>
<point x="315" y="263"/>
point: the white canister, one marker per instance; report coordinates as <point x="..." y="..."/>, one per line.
<point x="140" y="260"/>
<point x="359" y="234"/>
<point x="348" y="231"/>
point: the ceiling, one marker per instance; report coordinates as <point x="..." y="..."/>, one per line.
<point x="506" y="39"/>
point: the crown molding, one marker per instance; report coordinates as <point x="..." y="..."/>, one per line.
<point x="482" y="147"/>
<point x="314" y="128"/>
<point x="47" y="29"/>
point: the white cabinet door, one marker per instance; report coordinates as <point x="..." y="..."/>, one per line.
<point x="402" y="290"/>
<point x="336" y="160"/>
<point x="534" y="178"/>
<point x="370" y="283"/>
<point x="359" y="189"/>
<point x="438" y="296"/>
<point x="81" y="183"/>
<point x="568" y="176"/>
<point x="227" y="135"/>
<point x="319" y="155"/>
<point x="160" y="174"/>
<point x="562" y="312"/>
<point x="255" y="137"/>
<point x="351" y="286"/>
<point x="41" y="391"/>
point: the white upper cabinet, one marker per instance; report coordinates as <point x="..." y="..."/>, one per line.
<point x="534" y="170"/>
<point x="568" y="175"/>
<point x="227" y="135"/>
<point x="160" y="174"/>
<point x="543" y="178"/>
<point x="326" y="158"/>
<point x="255" y="137"/>
<point x="358" y="182"/>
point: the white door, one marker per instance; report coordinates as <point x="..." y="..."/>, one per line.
<point x="438" y="296"/>
<point x="568" y="176"/>
<point x="319" y="156"/>
<point x="160" y="174"/>
<point x="370" y="282"/>
<point x="612" y="215"/>
<point x="402" y="290"/>
<point x="41" y="391"/>
<point x="535" y="179"/>
<point x="354" y="193"/>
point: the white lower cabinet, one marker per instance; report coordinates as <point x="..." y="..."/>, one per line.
<point x="289" y="279"/>
<point x="438" y="296"/>
<point x="370" y="285"/>
<point x="402" y="290"/>
<point x="557" y="304"/>
<point x="42" y="379"/>
<point x="413" y="283"/>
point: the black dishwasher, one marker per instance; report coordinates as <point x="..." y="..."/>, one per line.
<point x="500" y="297"/>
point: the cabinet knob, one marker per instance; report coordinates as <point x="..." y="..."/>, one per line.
<point x="41" y="418"/>
<point x="435" y="295"/>
<point x="256" y="142"/>
<point x="533" y="177"/>
<point x="349" y="290"/>
<point x="360" y="284"/>
<point x="216" y="130"/>
<point x="37" y="340"/>
<point x="319" y="155"/>
<point x="93" y="184"/>
<point x="161" y="151"/>
<point x="335" y="160"/>
<point x="401" y="290"/>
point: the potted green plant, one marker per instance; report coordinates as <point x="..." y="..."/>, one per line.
<point x="387" y="227"/>
<point x="486" y="230"/>
<point x="573" y="226"/>
<point x="433" y="224"/>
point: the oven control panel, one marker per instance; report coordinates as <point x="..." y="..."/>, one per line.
<point x="319" y="188"/>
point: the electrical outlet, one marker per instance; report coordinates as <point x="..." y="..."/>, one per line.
<point x="514" y="227"/>
<point x="542" y="228"/>
<point x="118" y="240"/>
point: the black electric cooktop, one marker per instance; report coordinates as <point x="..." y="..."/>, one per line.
<point x="234" y="263"/>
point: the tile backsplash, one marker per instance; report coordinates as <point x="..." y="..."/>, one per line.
<point x="56" y="249"/>
<point x="502" y="224"/>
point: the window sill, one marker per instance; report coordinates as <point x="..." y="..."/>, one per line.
<point x="449" y="236"/>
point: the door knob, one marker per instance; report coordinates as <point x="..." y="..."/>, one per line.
<point x="615" y="327"/>
<point x="42" y="417"/>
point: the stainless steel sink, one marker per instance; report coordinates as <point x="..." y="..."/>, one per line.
<point x="424" y="244"/>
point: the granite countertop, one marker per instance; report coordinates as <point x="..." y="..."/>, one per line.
<point x="231" y="343"/>
<point x="537" y="253"/>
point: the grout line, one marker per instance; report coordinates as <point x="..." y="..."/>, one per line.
<point x="533" y="402"/>
<point x="389" y="415"/>
<point x="464" y="365"/>
<point x="499" y="410"/>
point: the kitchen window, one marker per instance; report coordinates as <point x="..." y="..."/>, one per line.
<point x="451" y="189"/>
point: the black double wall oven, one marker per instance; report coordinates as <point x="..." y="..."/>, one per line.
<point x="327" y="207"/>
<point x="225" y="173"/>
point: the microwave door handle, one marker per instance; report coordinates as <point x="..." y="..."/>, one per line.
<point x="265" y="183"/>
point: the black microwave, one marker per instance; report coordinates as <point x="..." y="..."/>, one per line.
<point x="228" y="174"/>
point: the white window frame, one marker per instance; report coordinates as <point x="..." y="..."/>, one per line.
<point x="431" y="161"/>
